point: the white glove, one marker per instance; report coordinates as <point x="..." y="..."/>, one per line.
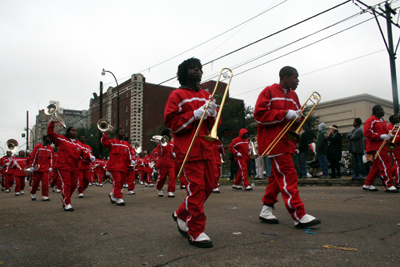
<point x="298" y="112"/>
<point x="239" y="154"/>
<point x="51" y="169"/>
<point x="199" y="112"/>
<point x="296" y="151"/>
<point x="133" y="162"/>
<point x="291" y="115"/>
<point x="31" y="169"/>
<point x="53" y="118"/>
<point x="390" y="136"/>
<point x="173" y="155"/>
<point x="212" y="109"/>
<point x="92" y="158"/>
<point x="383" y="136"/>
<point x="8" y="164"/>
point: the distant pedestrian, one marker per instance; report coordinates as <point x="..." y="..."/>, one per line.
<point x="335" y="150"/>
<point x="357" y="148"/>
<point x="322" y="150"/>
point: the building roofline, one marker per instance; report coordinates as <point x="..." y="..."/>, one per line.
<point x="351" y="99"/>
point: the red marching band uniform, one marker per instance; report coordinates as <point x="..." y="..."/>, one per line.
<point x="7" y="172"/>
<point x="240" y="146"/>
<point x="395" y="156"/>
<point x="166" y="167"/>
<point x="85" y="175"/>
<point x="20" y="175"/>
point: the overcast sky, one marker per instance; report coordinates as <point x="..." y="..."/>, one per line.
<point x="55" y="50"/>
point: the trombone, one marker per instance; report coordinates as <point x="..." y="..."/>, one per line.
<point x="391" y="146"/>
<point x="52" y="110"/>
<point x="212" y="137"/>
<point x="293" y="136"/>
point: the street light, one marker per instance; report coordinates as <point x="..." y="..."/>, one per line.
<point x="103" y="72"/>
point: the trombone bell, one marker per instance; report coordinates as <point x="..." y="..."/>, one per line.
<point x="391" y="146"/>
<point x="293" y="137"/>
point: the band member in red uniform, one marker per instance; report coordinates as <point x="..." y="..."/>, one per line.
<point x="42" y="157"/>
<point x="85" y="176"/>
<point x="118" y="162"/>
<point x="140" y="167"/>
<point x="376" y="131"/>
<point x="98" y="170"/>
<point x="67" y="165"/>
<point x="56" y="181"/>
<point x="219" y="151"/>
<point x="7" y="163"/>
<point x="276" y="106"/>
<point x="394" y="119"/>
<point x="166" y="165"/>
<point x="240" y="149"/>
<point x="148" y="170"/>
<point x="19" y="174"/>
<point x="183" y="111"/>
<point x="130" y="177"/>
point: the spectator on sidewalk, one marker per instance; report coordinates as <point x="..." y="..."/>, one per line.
<point x="335" y="150"/>
<point x="357" y="147"/>
<point x="322" y="150"/>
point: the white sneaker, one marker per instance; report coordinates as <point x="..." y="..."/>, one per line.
<point x="17" y="193"/>
<point x="202" y="241"/>
<point x="307" y="221"/>
<point x="90" y="184"/>
<point x="239" y="187"/>
<point x="151" y="185"/>
<point x="160" y="193"/>
<point x="392" y="189"/>
<point x="182" y="227"/>
<point x="33" y="196"/>
<point x="248" y="188"/>
<point x="131" y="193"/>
<point x="80" y="195"/>
<point x="53" y="189"/>
<point x="58" y="190"/>
<point x="112" y="198"/>
<point x="309" y="175"/>
<point x="45" y="199"/>
<point x="145" y="184"/>
<point x="216" y="190"/>
<point x="8" y="191"/>
<point x="100" y="185"/>
<point x="370" y="188"/>
<point x="267" y="216"/>
<point x="22" y="192"/>
<point x="68" y="208"/>
<point x="141" y="182"/>
<point x="171" y="194"/>
<point x="120" y="202"/>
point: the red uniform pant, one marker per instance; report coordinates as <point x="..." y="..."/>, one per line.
<point x="130" y="179"/>
<point x="98" y="176"/>
<point x="163" y="172"/>
<point x="200" y="181"/>
<point x="381" y="165"/>
<point x="241" y="177"/>
<point x="69" y="182"/>
<point x="56" y="181"/>
<point x="217" y="174"/>
<point x="182" y="179"/>
<point x="8" y="180"/>
<point x="396" y="169"/>
<point x="19" y="183"/>
<point x="117" y="179"/>
<point x="84" y="179"/>
<point x="284" y="180"/>
<point x="36" y="178"/>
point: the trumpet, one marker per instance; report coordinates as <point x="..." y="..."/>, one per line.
<point x="52" y="110"/>
<point x="392" y="145"/>
<point x="212" y="137"/>
<point x="293" y="136"/>
<point x="103" y="125"/>
<point x="162" y="140"/>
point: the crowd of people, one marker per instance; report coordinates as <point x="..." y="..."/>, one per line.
<point x="183" y="154"/>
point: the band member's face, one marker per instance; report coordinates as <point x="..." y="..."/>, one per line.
<point x="121" y="134"/>
<point x="194" y="73"/>
<point x="72" y="133"/>
<point x="47" y="140"/>
<point x="293" y="81"/>
<point x="245" y="136"/>
<point x="380" y="113"/>
<point x="22" y="154"/>
<point x="9" y="153"/>
<point x="82" y="139"/>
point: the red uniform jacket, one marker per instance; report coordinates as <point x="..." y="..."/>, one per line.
<point x="98" y="166"/>
<point x="395" y="152"/>
<point x="42" y="155"/>
<point x="240" y="145"/>
<point x="155" y="155"/>
<point x="269" y="113"/>
<point x="69" y="151"/>
<point x="3" y="161"/>
<point x="147" y="160"/>
<point x="373" y="128"/>
<point x="179" y="118"/>
<point x="85" y="164"/>
<point x="140" y="164"/>
<point x="120" y="154"/>
<point x="22" y="162"/>
<point x="165" y="158"/>
<point x="218" y="152"/>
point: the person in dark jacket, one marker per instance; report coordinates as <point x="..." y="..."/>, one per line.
<point x="302" y="155"/>
<point x="335" y="150"/>
<point x="357" y="148"/>
<point x="322" y="150"/>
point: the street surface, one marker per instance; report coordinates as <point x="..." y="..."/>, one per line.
<point x="142" y="233"/>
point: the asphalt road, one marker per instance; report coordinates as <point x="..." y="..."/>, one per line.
<point x="142" y="233"/>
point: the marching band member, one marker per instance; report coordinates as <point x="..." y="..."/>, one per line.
<point x="67" y="165"/>
<point x="41" y="165"/>
<point x="140" y="167"/>
<point x="56" y="181"/>
<point x="219" y="150"/>
<point x="85" y="176"/>
<point x="98" y="170"/>
<point x="166" y="165"/>
<point x="148" y="170"/>
<point x="19" y="174"/>
<point x="240" y="149"/>
<point x="185" y="107"/>
<point x="395" y="153"/>
<point x="130" y="177"/>
<point x="119" y="160"/>
<point x="276" y="106"/>
<point x="8" y="172"/>
<point x="376" y="131"/>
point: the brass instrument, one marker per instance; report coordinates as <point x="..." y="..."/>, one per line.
<point x="12" y="145"/>
<point x="137" y="147"/>
<point x="35" y="168"/>
<point x="103" y="125"/>
<point x="396" y="126"/>
<point x="152" y="164"/>
<point x="162" y="140"/>
<point x="293" y="136"/>
<point x="213" y="134"/>
<point x="252" y="150"/>
<point x="392" y="145"/>
<point x="52" y="110"/>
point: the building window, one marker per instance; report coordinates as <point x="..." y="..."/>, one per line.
<point x="114" y="113"/>
<point x="127" y="94"/>
<point x="126" y="108"/>
<point x="126" y="122"/>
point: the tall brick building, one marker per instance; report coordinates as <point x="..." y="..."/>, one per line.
<point x="141" y="106"/>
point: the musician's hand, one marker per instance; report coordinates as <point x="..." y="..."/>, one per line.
<point x="390" y="136"/>
<point x="53" y="118"/>
<point x="132" y="162"/>
<point x="383" y="136"/>
<point x="50" y="169"/>
<point x="198" y="113"/>
<point x="298" y="113"/>
<point x="239" y="154"/>
<point x="31" y="169"/>
<point x="291" y="115"/>
<point x="296" y="151"/>
<point x="173" y="155"/>
<point x="92" y="158"/>
<point x="212" y="109"/>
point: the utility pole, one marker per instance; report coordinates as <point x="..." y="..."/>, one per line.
<point x="101" y="116"/>
<point x="27" y="130"/>
<point x="392" y="57"/>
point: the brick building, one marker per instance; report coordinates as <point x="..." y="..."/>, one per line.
<point x="141" y="107"/>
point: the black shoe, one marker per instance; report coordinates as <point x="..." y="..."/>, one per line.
<point x="309" y="224"/>
<point x="392" y="189"/>
<point x="202" y="244"/>
<point x="112" y="201"/>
